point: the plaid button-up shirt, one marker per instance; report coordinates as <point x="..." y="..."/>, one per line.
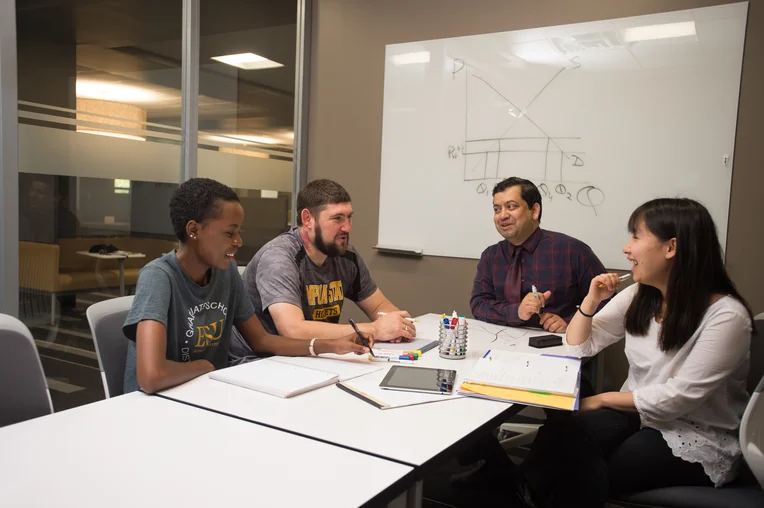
<point x="551" y="261"/>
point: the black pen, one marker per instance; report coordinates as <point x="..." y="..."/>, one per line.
<point x="363" y="341"/>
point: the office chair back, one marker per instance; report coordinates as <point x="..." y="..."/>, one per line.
<point x="756" y="368"/>
<point x="106" y="319"/>
<point x="24" y="394"/>
<point x="752" y="434"/>
<point x="752" y="424"/>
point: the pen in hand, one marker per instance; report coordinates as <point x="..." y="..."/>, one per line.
<point x="620" y="279"/>
<point x="536" y="294"/>
<point x="410" y="319"/>
<point x="360" y="336"/>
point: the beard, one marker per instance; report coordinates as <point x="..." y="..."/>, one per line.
<point x="329" y="249"/>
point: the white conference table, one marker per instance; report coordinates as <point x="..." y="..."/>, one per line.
<point x="141" y="450"/>
<point x="423" y="435"/>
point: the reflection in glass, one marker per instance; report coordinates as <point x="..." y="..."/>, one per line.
<point x="246" y="111"/>
<point x="99" y="154"/>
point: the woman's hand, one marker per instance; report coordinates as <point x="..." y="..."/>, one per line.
<point x="352" y="344"/>
<point x="620" y="401"/>
<point x="603" y="287"/>
<point x="591" y="403"/>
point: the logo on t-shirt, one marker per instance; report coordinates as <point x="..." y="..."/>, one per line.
<point x="322" y="295"/>
<point x="326" y="313"/>
<point x="205" y="325"/>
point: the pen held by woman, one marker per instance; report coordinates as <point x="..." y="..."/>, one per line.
<point x="361" y="337"/>
<point x="622" y="278"/>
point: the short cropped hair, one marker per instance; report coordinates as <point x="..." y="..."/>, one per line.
<point x="317" y="194"/>
<point x="197" y="199"/>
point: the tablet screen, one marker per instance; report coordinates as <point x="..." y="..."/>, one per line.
<point x="419" y="379"/>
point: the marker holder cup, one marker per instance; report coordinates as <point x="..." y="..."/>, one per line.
<point x="452" y="340"/>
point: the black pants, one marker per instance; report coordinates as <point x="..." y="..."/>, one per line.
<point x="487" y="448"/>
<point x="582" y="458"/>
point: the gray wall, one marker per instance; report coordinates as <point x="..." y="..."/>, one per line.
<point x="345" y="125"/>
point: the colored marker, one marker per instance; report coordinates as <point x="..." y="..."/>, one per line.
<point x="391" y="360"/>
<point x="382" y="351"/>
<point x="398" y="355"/>
<point x="536" y="294"/>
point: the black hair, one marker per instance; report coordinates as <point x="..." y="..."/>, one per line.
<point x="197" y="199"/>
<point x="317" y="194"/>
<point x="697" y="274"/>
<point x="528" y="191"/>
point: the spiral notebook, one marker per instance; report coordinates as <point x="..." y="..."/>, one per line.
<point x="526" y="378"/>
<point x="289" y="376"/>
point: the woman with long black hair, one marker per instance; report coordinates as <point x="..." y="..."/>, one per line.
<point x="687" y="334"/>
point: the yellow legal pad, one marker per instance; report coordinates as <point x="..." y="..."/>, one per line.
<point x="568" y="402"/>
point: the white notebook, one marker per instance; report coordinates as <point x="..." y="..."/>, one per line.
<point x="527" y="371"/>
<point x="289" y="376"/>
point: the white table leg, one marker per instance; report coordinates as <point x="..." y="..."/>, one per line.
<point x="411" y="498"/>
<point x="414" y="495"/>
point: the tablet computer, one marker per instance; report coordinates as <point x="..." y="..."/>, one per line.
<point x="419" y="379"/>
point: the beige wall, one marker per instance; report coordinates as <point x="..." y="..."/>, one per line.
<point x="345" y="125"/>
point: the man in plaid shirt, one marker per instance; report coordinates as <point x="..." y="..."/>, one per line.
<point x="559" y="266"/>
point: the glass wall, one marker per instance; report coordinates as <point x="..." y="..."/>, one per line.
<point x="247" y="61"/>
<point x="99" y="130"/>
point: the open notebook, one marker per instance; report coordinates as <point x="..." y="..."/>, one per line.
<point x="289" y="376"/>
<point x="539" y="380"/>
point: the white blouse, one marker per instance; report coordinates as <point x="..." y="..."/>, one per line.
<point x="696" y="395"/>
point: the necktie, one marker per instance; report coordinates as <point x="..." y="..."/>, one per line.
<point x="512" y="290"/>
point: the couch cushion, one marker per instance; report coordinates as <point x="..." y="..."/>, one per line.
<point x="80" y="281"/>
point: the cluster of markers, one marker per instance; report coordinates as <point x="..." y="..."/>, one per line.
<point x="395" y="355"/>
<point x="453" y="336"/>
<point x="454" y="321"/>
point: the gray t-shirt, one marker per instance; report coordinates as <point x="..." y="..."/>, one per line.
<point x="282" y="272"/>
<point x="199" y="319"/>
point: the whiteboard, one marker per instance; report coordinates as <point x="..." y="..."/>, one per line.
<point x="602" y="116"/>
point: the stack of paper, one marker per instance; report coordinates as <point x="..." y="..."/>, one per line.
<point x="527" y="378"/>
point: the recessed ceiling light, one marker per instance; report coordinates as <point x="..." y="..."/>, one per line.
<point x="260" y="139"/>
<point x="116" y="92"/>
<point x="411" y="58"/>
<point x="223" y="139"/>
<point x="111" y="134"/>
<point x="653" y="32"/>
<point x="248" y="61"/>
<point x="239" y="139"/>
